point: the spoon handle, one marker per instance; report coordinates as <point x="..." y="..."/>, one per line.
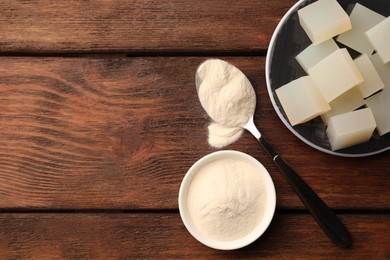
<point x="324" y="216"/>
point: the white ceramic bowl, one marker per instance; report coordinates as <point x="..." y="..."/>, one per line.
<point x="269" y="209"/>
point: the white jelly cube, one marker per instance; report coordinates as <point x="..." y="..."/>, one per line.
<point x="346" y="102"/>
<point x="382" y="69"/>
<point x="335" y="74"/>
<point x="372" y="81"/>
<point x="323" y="20"/>
<point x="379" y="36"/>
<point x="301" y="100"/>
<point x="315" y="53"/>
<point x="380" y="106"/>
<point x="362" y="19"/>
<point x="350" y="128"/>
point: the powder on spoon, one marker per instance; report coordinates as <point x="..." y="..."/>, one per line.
<point x="226" y="199"/>
<point x="228" y="98"/>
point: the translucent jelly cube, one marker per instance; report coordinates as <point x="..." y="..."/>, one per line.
<point x="323" y="20"/>
<point x="362" y="19"/>
<point x="350" y="128"/>
<point x="372" y="81"/>
<point x="315" y="53"/>
<point x="335" y="74"/>
<point x="382" y="69"/>
<point x="346" y="102"/>
<point x="301" y="100"/>
<point x="380" y="106"/>
<point x="379" y="36"/>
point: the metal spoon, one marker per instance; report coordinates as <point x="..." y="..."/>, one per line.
<point x="324" y="216"/>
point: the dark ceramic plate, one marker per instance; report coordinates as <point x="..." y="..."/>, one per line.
<point x="288" y="40"/>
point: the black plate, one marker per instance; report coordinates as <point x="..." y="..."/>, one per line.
<point x="288" y="40"/>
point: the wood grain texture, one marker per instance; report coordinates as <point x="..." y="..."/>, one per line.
<point x="151" y="236"/>
<point x="108" y="26"/>
<point x="79" y="133"/>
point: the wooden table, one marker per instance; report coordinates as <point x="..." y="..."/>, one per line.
<point x="99" y="122"/>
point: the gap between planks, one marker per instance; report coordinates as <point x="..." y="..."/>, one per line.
<point x="253" y="53"/>
<point x="176" y="211"/>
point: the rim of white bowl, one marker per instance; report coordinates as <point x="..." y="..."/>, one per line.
<point x="294" y="8"/>
<point x="262" y="226"/>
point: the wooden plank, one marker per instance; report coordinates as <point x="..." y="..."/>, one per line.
<point x="48" y="26"/>
<point x="123" y="236"/>
<point x="80" y="133"/>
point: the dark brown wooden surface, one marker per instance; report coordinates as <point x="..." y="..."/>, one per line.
<point x="93" y="147"/>
<point x="122" y="132"/>
<point x="138" y="26"/>
<point x="162" y="236"/>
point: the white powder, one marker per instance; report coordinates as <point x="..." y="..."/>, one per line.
<point x="226" y="199"/>
<point x="220" y="136"/>
<point x="228" y="98"/>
